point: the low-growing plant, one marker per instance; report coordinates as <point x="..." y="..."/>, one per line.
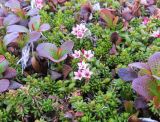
<point x="6" y="75"/>
<point x="145" y="78"/>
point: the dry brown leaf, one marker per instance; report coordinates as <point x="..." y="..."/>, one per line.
<point x="66" y="70"/>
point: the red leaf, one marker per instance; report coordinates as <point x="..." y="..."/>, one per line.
<point x="106" y="12"/>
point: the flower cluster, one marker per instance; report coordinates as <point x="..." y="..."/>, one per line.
<point x="83" y="54"/>
<point x="39" y="4"/>
<point x="81" y="31"/>
<point x="83" y="69"/>
<point x="156" y="34"/>
<point x="145" y="21"/>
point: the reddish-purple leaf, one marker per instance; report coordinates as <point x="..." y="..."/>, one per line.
<point x="45" y="49"/>
<point x="152" y="9"/>
<point x="141" y="86"/>
<point x="140" y="103"/>
<point x="34" y="36"/>
<point x="55" y="75"/>
<point x="139" y="65"/>
<point x="1" y="21"/>
<point x="23" y="22"/>
<point x="127" y="74"/>
<point x="13" y="4"/>
<point x="2" y="58"/>
<point x="49" y="51"/>
<point x="61" y="1"/>
<point x="3" y="12"/>
<point x="4" y="84"/>
<point x="79" y="114"/>
<point x="14" y="85"/>
<point x="3" y="64"/>
<point x="113" y="50"/>
<point x="17" y="28"/>
<point x="10" y="38"/>
<point x="127" y="14"/>
<point x="44" y="27"/>
<point x="10" y="20"/>
<point x="114" y="37"/>
<point x="68" y="115"/>
<point x="66" y="70"/>
<point x="34" y="23"/>
<point x="67" y="46"/>
<point x="154" y="64"/>
<point x="60" y="59"/>
<point x="86" y="11"/>
<point x="9" y="73"/>
<point x="33" y="12"/>
<point x="151" y="2"/>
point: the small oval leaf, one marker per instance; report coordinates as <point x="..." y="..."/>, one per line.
<point x="4" y="84"/>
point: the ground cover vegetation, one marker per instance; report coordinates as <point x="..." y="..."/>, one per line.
<point x="79" y="60"/>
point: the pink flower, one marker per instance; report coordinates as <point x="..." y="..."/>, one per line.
<point x="88" y="54"/>
<point x="86" y="73"/>
<point x="82" y="65"/>
<point x="80" y="31"/>
<point x="76" y="54"/>
<point x="156" y="34"/>
<point x="39" y="4"/>
<point x="145" y="20"/>
<point x="144" y="2"/>
<point x="39" y="1"/>
<point x="78" y="75"/>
